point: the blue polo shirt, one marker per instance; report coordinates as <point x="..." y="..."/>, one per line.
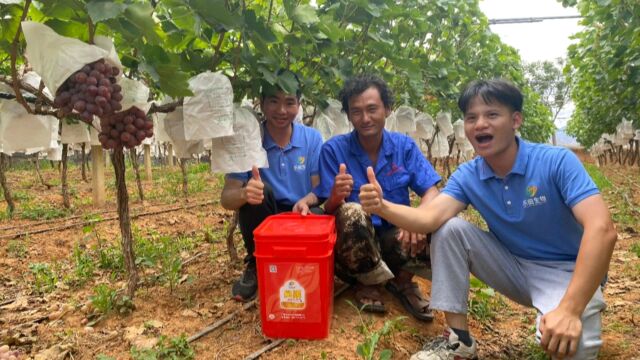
<point x="290" y="168"/>
<point x="400" y="166"/>
<point x="529" y="210"/>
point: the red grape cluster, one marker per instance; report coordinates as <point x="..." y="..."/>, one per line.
<point x="127" y="128"/>
<point x="90" y="91"/>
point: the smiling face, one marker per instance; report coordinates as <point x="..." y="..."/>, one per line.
<point x="280" y="109"/>
<point x="367" y="113"/>
<point x="491" y="129"/>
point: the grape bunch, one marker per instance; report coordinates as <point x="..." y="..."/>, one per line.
<point x="7" y="354"/>
<point x="90" y="91"/>
<point x="127" y="128"/>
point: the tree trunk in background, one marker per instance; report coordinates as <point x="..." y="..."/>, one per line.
<point x="82" y="161"/>
<point x="117" y="157"/>
<point x="65" y="186"/>
<point x="134" y="163"/>
<point x="36" y="162"/>
<point x="5" y="188"/>
<point x="97" y="175"/>
<point x="183" y="168"/>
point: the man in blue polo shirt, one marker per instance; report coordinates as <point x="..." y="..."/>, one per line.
<point x="550" y="235"/>
<point x="368" y="250"/>
<point x="292" y="151"/>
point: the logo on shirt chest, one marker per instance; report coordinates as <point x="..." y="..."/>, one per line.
<point x="300" y="164"/>
<point x="531" y="198"/>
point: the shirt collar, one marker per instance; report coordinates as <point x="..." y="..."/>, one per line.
<point x="519" y="166"/>
<point x="295" y="141"/>
<point x="386" y="147"/>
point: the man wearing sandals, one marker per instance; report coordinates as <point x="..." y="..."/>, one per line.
<point x="368" y="250"/>
<point x="292" y="151"/>
<point x="550" y="235"/>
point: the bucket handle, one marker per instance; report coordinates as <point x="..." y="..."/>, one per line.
<point x="288" y="251"/>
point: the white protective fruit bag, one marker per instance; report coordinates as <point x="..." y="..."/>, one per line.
<point x="174" y="126"/>
<point x="208" y="113"/>
<point x="405" y="119"/>
<point x="239" y="152"/>
<point x="159" y="133"/>
<point x="324" y="125"/>
<point x="334" y="112"/>
<point x="74" y="132"/>
<point x="56" y="57"/>
<point x="424" y="127"/>
<point x="20" y="130"/>
<point x="443" y="120"/>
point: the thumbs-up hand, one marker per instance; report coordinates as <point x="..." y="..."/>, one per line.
<point x="342" y="185"/>
<point x="254" y="191"/>
<point x="371" y="194"/>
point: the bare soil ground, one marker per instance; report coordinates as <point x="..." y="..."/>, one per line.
<point x="61" y="322"/>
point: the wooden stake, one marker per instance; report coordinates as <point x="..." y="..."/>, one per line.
<point x="97" y="175"/>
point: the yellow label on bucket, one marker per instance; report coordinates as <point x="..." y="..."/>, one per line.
<point x="292" y="296"/>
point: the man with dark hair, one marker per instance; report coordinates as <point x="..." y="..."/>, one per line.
<point x="550" y="235"/>
<point x="368" y="250"/>
<point x="292" y="151"/>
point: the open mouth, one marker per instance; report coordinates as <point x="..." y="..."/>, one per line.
<point x="484" y="139"/>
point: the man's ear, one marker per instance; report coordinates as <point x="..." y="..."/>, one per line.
<point x="517" y="119"/>
<point x="387" y="112"/>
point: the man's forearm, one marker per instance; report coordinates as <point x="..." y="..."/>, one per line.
<point x="332" y="204"/>
<point x="415" y="220"/>
<point x="233" y="199"/>
<point x="591" y="267"/>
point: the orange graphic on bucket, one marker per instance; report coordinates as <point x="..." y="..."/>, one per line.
<point x="292" y="296"/>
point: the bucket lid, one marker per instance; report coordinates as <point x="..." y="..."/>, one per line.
<point x="296" y="225"/>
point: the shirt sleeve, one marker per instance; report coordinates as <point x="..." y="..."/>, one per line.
<point x="455" y="185"/>
<point x="572" y="179"/>
<point x="423" y="175"/>
<point x="242" y="176"/>
<point x="328" y="169"/>
<point x="315" y="145"/>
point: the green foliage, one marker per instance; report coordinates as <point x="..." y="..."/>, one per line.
<point x="170" y="261"/>
<point x="635" y="248"/>
<point x="604" y="69"/>
<point x="173" y="348"/>
<point x="372" y="337"/>
<point x="84" y="265"/>
<point x="42" y="211"/>
<point x="104" y="357"/>
<point x="546" y="79"/>
<point x="426" y="51"/>
<point x="483" y="302"/>
<point x="16" y="248"/>
<point x="44" y="278"/>
<point x="597" y="176"/>
<point x="106" y="299"/>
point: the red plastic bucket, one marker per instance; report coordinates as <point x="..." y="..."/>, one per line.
<point x="294" y="258"/>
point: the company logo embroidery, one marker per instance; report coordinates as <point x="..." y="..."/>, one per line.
<point x="533" y="200"/>
<point x="394" y="169"/>
<point x="300" y="166"/>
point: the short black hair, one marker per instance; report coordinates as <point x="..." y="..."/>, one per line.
<point x="359" y="84"/>
<point x="268" y="89"/>
<point x="500" y="90"/>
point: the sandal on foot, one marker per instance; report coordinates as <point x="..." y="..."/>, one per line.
<point x="373" y="295"/>
<point x="403" y="292"/>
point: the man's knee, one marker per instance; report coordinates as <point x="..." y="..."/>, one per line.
<point x="454" y="228"/>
